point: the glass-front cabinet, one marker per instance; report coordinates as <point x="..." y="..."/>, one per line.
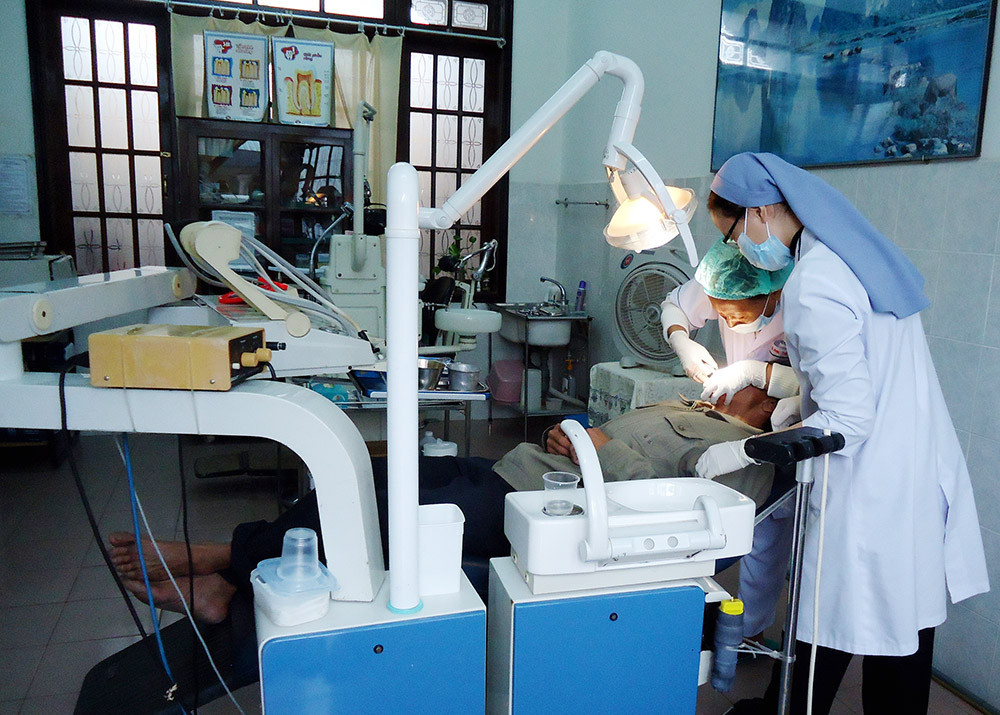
<point x="282" y="184"/>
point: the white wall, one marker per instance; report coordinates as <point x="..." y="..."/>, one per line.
<point x="17" y="137"/>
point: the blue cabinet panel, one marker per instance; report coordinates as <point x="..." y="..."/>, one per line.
<point x="619" y="653"/>
<point x="432" y="665"/>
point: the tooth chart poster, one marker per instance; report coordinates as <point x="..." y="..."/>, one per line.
<point x="235" y="76"/>
<point x="303" y="81"/>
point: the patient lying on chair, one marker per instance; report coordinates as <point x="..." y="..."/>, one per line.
<point x="663" y="440"/>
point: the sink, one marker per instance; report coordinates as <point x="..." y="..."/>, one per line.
<point x="541" y="324"/>
<point x="467" y="321"/>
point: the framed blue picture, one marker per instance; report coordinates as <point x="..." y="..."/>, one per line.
<point x="828" y="82"/>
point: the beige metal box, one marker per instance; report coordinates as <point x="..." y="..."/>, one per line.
<point x="175" y="357"/>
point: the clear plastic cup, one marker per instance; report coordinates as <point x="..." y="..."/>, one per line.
<point x="299" y="555"/>
<point x="557" y="486"/>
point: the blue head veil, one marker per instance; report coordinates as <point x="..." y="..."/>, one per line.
<point x="893" y="283"/>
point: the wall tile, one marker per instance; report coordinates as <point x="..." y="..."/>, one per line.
<point x="878" y="197"/>
<point x="920" y="221"/>
<point x="972" y="213"/>
<point x="957" y="366"/>
<point x="984" y="456"/>
<point x="964" y="648"/>
<point x="985" y="416"/>
<point x="992" y="335"/>
<point x="963" y="292"/>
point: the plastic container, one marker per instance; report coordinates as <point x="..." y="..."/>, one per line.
<point x="439" y="556"/>
<point x="533" y="390"/>
<point x="439" y="448"/>
<point x="428" y="438"/>
<point x="294" y="588"/>
<point x="581" y="297"/>
<point x="463" y="377"/>
<point x="728" y="636"/>
<point x="557" y="491"/>
<point x="505" y="381"/>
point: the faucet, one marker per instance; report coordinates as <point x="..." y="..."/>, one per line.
<point x="562" y="291"/>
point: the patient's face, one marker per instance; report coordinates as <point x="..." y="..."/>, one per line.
<point x="751" y="404"/>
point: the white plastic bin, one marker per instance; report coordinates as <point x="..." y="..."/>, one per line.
<point x="440" y="551"/>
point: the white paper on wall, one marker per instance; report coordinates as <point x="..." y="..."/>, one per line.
<point x="236" y="76"/>
<point x="303" y="80"/>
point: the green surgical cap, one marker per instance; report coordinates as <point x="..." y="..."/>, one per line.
<point x="725" y="274"/>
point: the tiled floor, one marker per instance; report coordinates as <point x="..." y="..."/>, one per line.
<point x="59" y="610"/>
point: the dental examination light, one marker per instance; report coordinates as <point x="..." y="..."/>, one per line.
<point x="406" y="218"/>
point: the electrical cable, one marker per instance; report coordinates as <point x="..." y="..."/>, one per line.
<point x="298" y="277"/>
<point x="142" y="559"/>
<point x="819" y="567"/>
<point x="95" y="530"/>
<point x="274" y="375"/>
<point x="190" y="261"/>
<point x="187" y="610"/>
<point x="190" y="557"/>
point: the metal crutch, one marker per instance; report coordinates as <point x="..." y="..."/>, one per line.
<point x="799" y="447"/>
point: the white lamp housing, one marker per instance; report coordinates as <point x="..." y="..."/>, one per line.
<point x="649" y="213"/>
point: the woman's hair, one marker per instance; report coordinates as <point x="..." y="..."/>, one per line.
<point x="724" y="207"/>
<point x="727" y="209"/>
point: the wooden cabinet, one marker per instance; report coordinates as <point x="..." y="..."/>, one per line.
<point x="286" y="182"/>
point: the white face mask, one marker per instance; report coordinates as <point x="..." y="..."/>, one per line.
<point x="771" y="255"/>
<point x="757" y="325"/>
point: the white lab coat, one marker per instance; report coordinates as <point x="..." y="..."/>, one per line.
<point x="768" y="345"/>
<point x="901" y="523"/>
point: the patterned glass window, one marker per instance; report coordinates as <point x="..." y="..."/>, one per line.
<point x="110" y="77"/>
<point x="446" y="144"/>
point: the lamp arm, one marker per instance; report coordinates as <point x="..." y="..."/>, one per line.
<point x="545" y="117"/>
<point x="670" y="210"/>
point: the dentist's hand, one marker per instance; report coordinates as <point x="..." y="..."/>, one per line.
<point x="698" y="363"/>
<point x="730" y="380"/>
<point x="723" y="458"/>
<point x="787" y="412"/>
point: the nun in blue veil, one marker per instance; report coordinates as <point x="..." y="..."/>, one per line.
<point x="901" y="530"/>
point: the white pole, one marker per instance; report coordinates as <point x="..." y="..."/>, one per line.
<point x="402" y="249"/>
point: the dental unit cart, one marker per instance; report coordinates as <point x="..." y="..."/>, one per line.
<point x="602" y="610"/>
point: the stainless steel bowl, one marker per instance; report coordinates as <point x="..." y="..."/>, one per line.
<point x="428" y="373"/>
<point x="463" y="377"/>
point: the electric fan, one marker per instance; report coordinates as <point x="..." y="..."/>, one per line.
<point x="637" y="315"/>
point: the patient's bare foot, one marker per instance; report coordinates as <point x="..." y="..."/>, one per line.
<point x="212" y="595"/>
<point x="206" y="558"/>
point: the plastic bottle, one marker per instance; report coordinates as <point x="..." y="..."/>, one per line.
<point x="569" y="380"/>
<point x="428" y="438"/>
<point x="728" y="636"/>
<point x="581" y="297"/>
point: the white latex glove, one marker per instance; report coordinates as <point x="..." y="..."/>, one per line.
<point x="697" y="361"/>
<point x="733" y="378"/>
<point x="723" y="458"/>
<point x="787" y="412"/>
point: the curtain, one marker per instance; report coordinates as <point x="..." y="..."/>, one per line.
<point x="364" y="70"/>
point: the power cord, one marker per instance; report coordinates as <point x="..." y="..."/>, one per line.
<point x="126" y="455"/>
<point x="190" y="558"/>
<point x="184" y="604"/>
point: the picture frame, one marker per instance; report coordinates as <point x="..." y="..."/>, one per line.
<point x="825" y="84"/>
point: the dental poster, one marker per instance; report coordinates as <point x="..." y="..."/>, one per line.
<point x="303" y="81"/>
<point x="235" y="76"/>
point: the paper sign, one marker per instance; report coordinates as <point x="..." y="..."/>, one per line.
<point x="236" y="76"/>
<point x="303" y="80"/>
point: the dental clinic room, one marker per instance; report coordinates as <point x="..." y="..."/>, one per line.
<point x="499" y="356"/>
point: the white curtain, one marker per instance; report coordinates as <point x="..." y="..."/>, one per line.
<point x="364" y="70"/>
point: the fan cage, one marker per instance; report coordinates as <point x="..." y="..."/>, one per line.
<point x="637" y="312"/>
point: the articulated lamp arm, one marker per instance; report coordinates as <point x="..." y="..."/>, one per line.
<point x="573" y="90"/>
<point x="404" y="221"/>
